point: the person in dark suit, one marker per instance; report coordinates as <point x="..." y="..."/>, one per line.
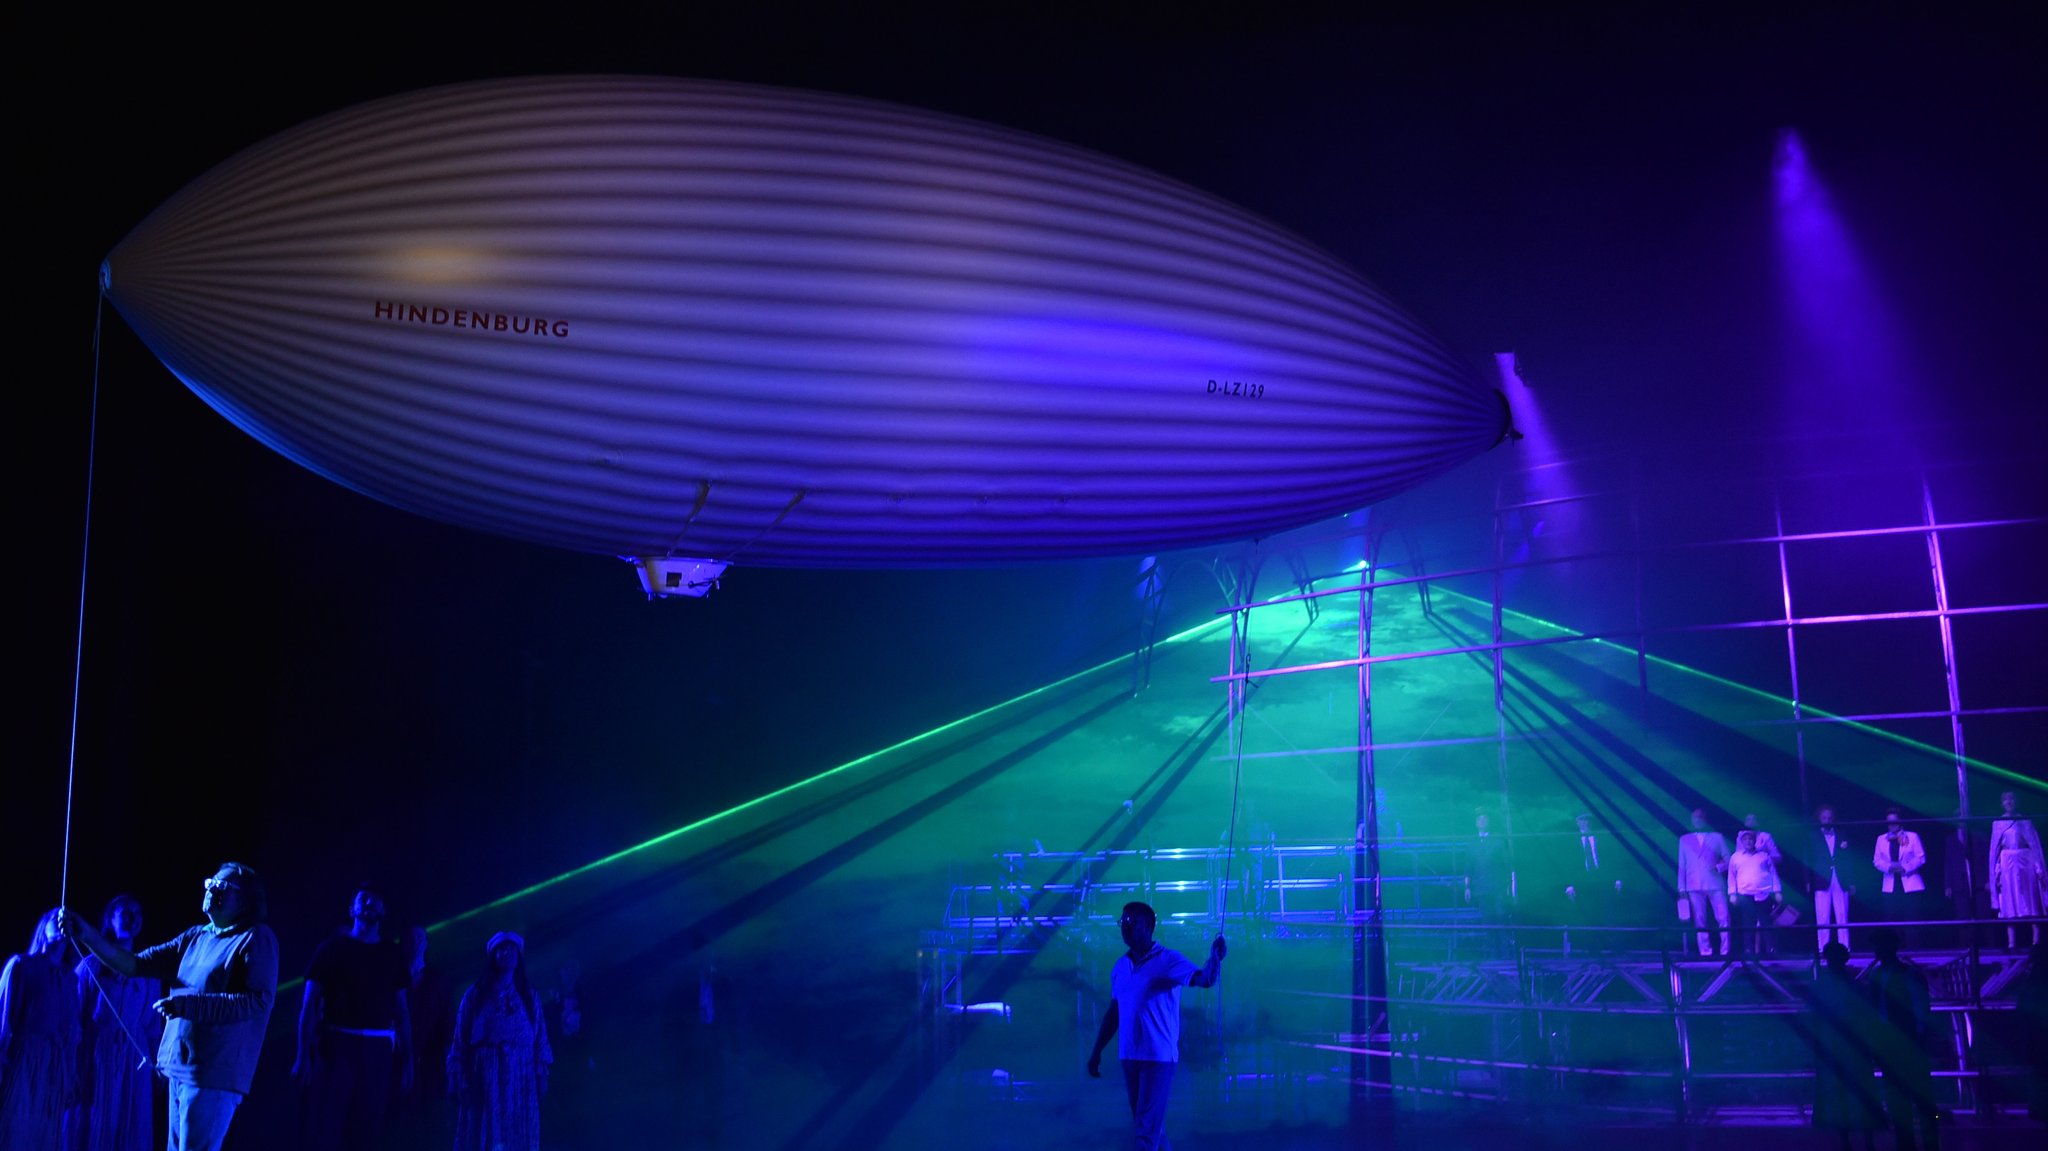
<point x="1958" y="882"/>
<point x="1489" y="884"/>
<point x="1828" y="860"/>
<point x="1591" y="895"/>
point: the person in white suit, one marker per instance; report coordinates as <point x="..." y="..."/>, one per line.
<point x="1703" y="879"/>
<point x="1898" y="857"/>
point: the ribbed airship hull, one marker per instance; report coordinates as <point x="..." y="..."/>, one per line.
<point x="656" y="317"/>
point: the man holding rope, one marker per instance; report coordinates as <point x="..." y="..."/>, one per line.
<point x="223" y="979"/>
<point x="1145" y="1002"/>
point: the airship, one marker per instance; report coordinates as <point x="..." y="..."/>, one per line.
<point x="696" y="324"/>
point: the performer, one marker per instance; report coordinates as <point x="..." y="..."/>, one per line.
<point x="355" y="1031"/>
<point x="1898" y="857"/>
<point x="38" y="1042"/>
<point x="2016" y="868"/>
<point x="1144" y="1014"/>
<point x="1754" y="891"/>
<point x="1703" y="879"/>
<point x="223" y="979"/>
<point x="116" y="1108"/>
<point x="1829" y="852"/>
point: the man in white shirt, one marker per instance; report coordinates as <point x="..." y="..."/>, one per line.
<point x="1144" y="1014"/>
<point x="1754" y="891"/>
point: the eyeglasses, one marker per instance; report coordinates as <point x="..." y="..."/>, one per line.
<point x="214" y="884"/>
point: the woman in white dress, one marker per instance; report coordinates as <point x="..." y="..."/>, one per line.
<point x="2016" y="868"/>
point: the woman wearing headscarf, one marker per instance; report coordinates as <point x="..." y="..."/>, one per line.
<point x="498" y="1060"/>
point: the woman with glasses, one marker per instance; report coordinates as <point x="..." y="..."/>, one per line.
<point x="222" y="976"/>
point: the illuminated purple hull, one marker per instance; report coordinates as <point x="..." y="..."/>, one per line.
<point x="652" y="317"/>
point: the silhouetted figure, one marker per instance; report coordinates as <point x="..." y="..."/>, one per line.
<point x="572" y="1072"/>
<point x="1842" y="1027"/>
<point x="222" y="976"/>
<point x="714" y="1070"/>
<point x="1959" y="887"/>
<point x="1900" y="993"/>
<point x="2031" y="1005"/>
<point x="116" y="1108"/>
<point x="498" y="1061"/>
<point x="355" y="1031"/>
<point x="1489" y="884"/>
<point x="1144" y="1017"/>
<point x="425" y="1116"/>
<point x="1591" y="896"/>
<point x="38" y="1041"/>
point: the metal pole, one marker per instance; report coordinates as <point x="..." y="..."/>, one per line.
<point x="1368" y="939"/>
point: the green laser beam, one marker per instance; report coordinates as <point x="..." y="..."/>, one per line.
<point x="850" y="765"/>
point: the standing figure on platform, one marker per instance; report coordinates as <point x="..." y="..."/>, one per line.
<point x="1900" y="992"/>
<point x="2016" y="879"/>
<point x="498" y="1061"/>
<point x="1144" y="1016"/>
<point x="1831" y="889"/>
<point x="1958" y="885"/>
<point x="1898" y="857"/>
<point x="1703" y="880"/>
<point x="1591" y="898"/>
<point x="38" y="1041"/>
<point x="355" y="1031"/>
<point x="1765" y="841"/>
<point x="1490" y="884"/>
<point x="116" y="1108"/>
<point x="1841" y="1026"/>
<point x="1781" y="915"/>
<point x="716" y="1091"/>
<point x="1753" y="891"/>
<point x="222" y="976"/>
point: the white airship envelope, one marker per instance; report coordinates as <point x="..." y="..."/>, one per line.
<point x="696" y="323"/>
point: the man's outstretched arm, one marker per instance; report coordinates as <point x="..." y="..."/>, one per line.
<point x="1103" y="1035"/>
<point x="1212" y="970"/>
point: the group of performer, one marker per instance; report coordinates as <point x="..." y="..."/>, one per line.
<point x="1743" y="899"/>
<point x="83" y="1045"/>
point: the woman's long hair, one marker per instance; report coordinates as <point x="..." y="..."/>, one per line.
<point x="46" y="939"/>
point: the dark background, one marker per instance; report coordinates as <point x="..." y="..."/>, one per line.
<point x="242" y="660"/>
